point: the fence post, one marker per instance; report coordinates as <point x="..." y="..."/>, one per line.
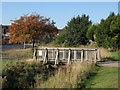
<point x="95" y="54"/>
<point x="53" y="54"/>
<point x="46" y="56"/>
<point x="98" y="55"/>
<point x="82" y="55"/>
<point x="64" y="54"/>
<point x="57" y="57"/>
<point x="35" y="54"/>
<point x="86" y="55"/>
<point x="75" y="54"/>
<point x="69" y="57"/>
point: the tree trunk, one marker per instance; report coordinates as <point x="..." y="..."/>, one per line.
<point x="24" y="45"/>
<point x="33" y="45"/>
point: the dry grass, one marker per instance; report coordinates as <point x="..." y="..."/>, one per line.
<point x="104" y="53"/>
<point x="19" y="53"/>
<point x="68" y="77"/>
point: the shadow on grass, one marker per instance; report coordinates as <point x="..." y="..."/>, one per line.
<point x="109" y="59"/>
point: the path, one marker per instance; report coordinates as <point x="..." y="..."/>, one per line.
<point x="13" y="47"/>
<point x="109" y="64"/>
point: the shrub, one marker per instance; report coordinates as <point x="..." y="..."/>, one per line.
<point x="24" y="75"/>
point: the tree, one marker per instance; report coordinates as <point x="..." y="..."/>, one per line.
<point x="32" y="28"/>
<point x="108" y="35"/>
<point x="91" y="32"/>
<point x="76" y="31"/>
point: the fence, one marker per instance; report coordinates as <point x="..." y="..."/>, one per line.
<point x="66" y="55"/>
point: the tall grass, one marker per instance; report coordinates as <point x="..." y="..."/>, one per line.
<point x="20" y="53"/>
<point x="104" y="53"/>
<point x="69" y="77"/>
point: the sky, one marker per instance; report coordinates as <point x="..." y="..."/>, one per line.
<point x="60" y="12"/>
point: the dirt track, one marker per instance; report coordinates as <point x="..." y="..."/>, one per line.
<point x="109" y="64"/>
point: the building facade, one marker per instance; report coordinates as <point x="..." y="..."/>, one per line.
<point x="5" y="34"/>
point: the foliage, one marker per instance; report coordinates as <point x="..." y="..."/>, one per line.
<point x="107" y="33"/>
<point x="91" y="32"/>
<point x="60" y="39"/>
<point x="76" y="31"/>
<point x="24" y="74"/>
<point x="32" y="28"/>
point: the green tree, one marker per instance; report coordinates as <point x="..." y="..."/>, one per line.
<point x="107" y="33"/>
<point x="75" y="31"/>
<point x="91" y="32"/>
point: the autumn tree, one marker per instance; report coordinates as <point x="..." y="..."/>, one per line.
<point x="32" y="28"/>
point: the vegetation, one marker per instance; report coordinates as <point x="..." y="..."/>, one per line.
<point x="115" y="55"/>
<point x="106" y="77"/>
<point x="70" y="77"/>
<point x="20" y="53"/>
<point x="107" y="33"/>
<point x="79" y="30"/>
<point x="32" y="28"/>
<point x="25" y="74"/>
<point x="91" y="32"/>
<point x="75" y="32"/>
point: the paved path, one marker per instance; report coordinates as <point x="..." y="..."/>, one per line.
<point x="109" y="64"/>
<point x="13" y="47"/>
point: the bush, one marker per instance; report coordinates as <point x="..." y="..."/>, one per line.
<point x="60" y="39"/>
<point x="24" y="75"/>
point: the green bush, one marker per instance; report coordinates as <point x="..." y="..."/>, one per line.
<point x="60" y="39"/>
<point x="24" y="75"/>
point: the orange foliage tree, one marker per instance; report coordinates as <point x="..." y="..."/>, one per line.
<point x="32" y="28"/>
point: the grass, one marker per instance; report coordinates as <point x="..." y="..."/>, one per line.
<point x="106" y="77"/>
<point x="113" y="56"/>
<point x="69" y="77"/>
<point x="20" y="53"/>
<point x="4" y="63"/>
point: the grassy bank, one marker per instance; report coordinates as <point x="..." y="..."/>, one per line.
<point x="20" y="53"/>
<point x="115" y="55"/>
<point x="106" y="77"/>
<point x="6" y="62"/>
<point x="70" y="77"/>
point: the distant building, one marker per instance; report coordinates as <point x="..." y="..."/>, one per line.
<point x="5" y="34"/>
<point x="60" y="31"/>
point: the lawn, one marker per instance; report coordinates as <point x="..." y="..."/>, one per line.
<point x="106" y="77"/>
<point x="115" y="55"/>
